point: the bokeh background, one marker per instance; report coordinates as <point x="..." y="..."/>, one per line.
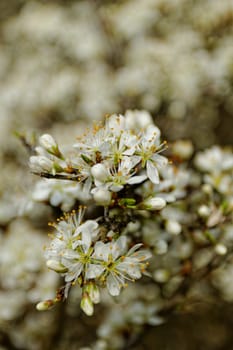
<point x="65" y="64"/>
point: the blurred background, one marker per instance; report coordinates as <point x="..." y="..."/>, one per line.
<point x="64" y="64"/>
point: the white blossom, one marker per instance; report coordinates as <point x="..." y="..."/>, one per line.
<point x="119" y="265"/>
<point x="148" y="150"/>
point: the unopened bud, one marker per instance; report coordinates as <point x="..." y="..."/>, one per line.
<point x="161" y="247"/>
<point x="173" y="227"/>
<point x="56" y="266"/>
<point x="45" y="305"/>
<point x="39" y="163"/>
<point x="127" y="202"/>
<point x="99" y="172"/>
<point x="183" y="149"/>
<point x="204" y="211"/>
<point x="207" y="189"/>
<point x="48" y="143"/>
<point x="102" y="196"/>
<point x="154" y="203"/>
<point x="220" y="249"/>
<point x="93" y="292"/>
<point x="86" y="304"/>
<point x="161" y="275"/>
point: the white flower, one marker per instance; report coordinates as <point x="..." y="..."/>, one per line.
<point x="118" y="266"/>
<point x="93" y="143"/>
<point x="77" y="257"/>
<point x="148" y="149"/>
<point x="124" y="174"/>
<point x="137" y="120"/>
<point x="121" y="146"/>
<point x="58" y="193"/>
<point x="214" y="160"/>
<point x="71" y="245"/>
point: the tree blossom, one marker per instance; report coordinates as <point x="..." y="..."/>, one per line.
<point x="148" y="150"/>
<point x="119" y="265"/>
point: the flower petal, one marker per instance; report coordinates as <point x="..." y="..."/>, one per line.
<point x="113" y="285"/>
<point x="152" y="172"/>
<point x="94" y="271"/>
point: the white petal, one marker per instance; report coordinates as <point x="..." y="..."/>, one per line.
<point x="115" y="124"/>
<point x="134" y="248"/>
<point x="113" y="285"/>
<point x="131" y="269"/>
<point x="159" y="160"/>
<point x="88" y="226"/>
<point x="152" y="172"/>
<point x="56" y="198"/>
<point x="74" y="272"/>
<point x="122" y="243"/>
<point x="136" y="179"/>
<point x="116" y="188"/>
<point x="94" y="271"/>
<point x="70" y="254"/>
<point x="153" y="133"/>
<point x="101" y="251"/>
<point x="119" y="247"/>
<point x="141" y="255"/>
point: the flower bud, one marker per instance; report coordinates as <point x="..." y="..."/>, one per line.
<point x="48" y="143"/>
<point x="161" y="275"/>
<point x="93" y="292"/>
<point x="183" y="149"/>
<point x="220" y="249"/>
<point x="99" y="172"/>
<point x="161" y="247"/>
<point x="127" y="202"/>
<point x="204" y="211"/>
<point x="154" y="203"/>
<point x="56" y="266"/>
<point x="102" y="196"/>
<point x="207" y="189"/>
<point x="86" y="304"/>
<point x="45" y="305"/>
<point x="173" y="227"/>
<point x="40" y="163"/>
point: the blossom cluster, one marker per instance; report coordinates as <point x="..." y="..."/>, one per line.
<point x="110" y="162"/>
<point x="108" y="159"/>
<point x="119" y="165"/>
<point x="83" y="258"/>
